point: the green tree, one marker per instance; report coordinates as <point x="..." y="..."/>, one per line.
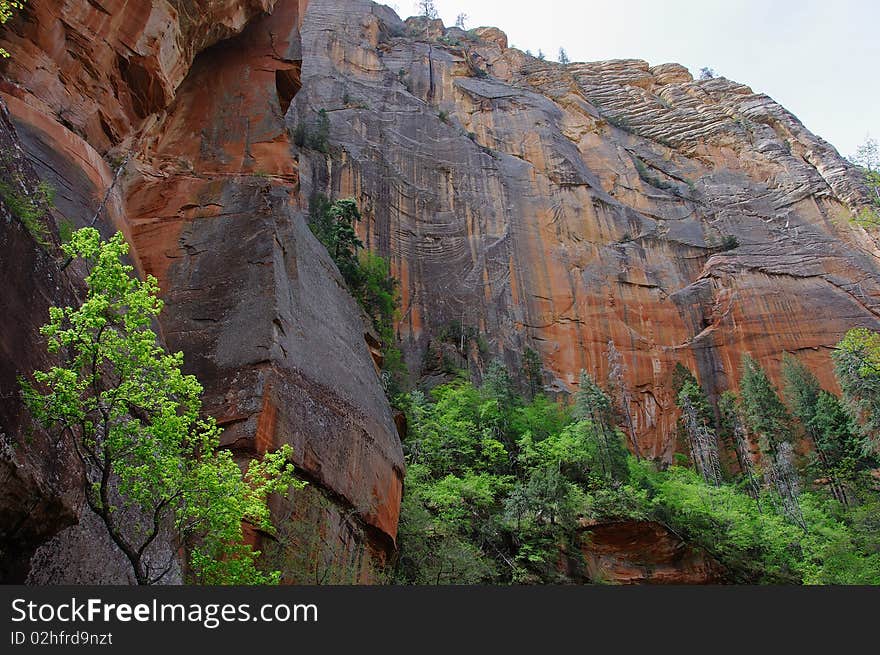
<point x="533" y="371"/>
<point x="7" y="7"/>
<point x="563" y="56"/>
<point x="857" y="367"/>
<point x="765" y="414"/>
<point x="335" y="226"/>
<point x="593" y="405"/>
<point x="827" y="426"/>
<point x="701" y="437"/>
<point x="150" y="460"/>
<point x="867" y="158"/>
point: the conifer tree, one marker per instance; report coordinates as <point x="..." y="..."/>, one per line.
<point x="620" y="393"/>
<point x="803" y="392"/>
<point x="857" y="367"/>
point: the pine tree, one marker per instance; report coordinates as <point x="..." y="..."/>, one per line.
<point x="767" y="417"/>
<point x="563" y="56"/>
<point x="857" y="367"/>
<point x="701" y="438"/>
<point x="765" y="414"/>
<point x="802" y="391"/>
<point x="620" y="393"/>
<point x="593" y="405"/>
<point x="731" y="421"/>
<point x="533" y="371"/>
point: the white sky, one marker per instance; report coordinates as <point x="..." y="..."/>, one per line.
<point x="818" y="58"/>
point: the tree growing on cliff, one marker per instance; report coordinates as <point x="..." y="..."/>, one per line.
<point x="700" y="436"/>
<point x="427" y="9"/>
<point x="150" y="461"/>
<point x="563" y="56"/>
<point x="867" y="158"/>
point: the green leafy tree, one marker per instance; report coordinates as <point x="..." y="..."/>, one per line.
<point x="867" y="158"/>
<point x="7" y="7"/>
<point x="150" y="460"/>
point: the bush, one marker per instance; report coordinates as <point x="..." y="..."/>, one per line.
<point x="30" y="210"/>
<point x="729" y="242"/>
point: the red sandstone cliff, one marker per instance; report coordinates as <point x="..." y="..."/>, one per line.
<point x="192" y="96"/>
<point x="560" y="207"/>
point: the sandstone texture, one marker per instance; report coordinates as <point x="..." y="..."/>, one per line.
<point x="560" y="207"/>
<point x="644" y="552"/>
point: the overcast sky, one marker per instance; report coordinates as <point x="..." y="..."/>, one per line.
<point x="819" y="58"/>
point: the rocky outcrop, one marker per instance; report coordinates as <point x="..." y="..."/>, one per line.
<point x="560" y="207"/>
<point x="644" y="552"/>
<point x="190" y="97"/>
<point x="38" y="477"/>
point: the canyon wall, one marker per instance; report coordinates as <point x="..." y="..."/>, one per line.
<point x="560" y="207"/>
<point x="186" y="100"/>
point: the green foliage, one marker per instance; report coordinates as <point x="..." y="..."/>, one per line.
<point x="134" y="420"/>
<point x="66" y="228"/>
<point x="592" y="404"/>
<point x="857" y="366"/>
<point x="503" y="482"/>
<point x="30" y="209"/>
<point x="334" y="226"/>
<point x="314" y="136"/>
<point x="729" y="242"/>
<point x="366" y="274"/>
<point x="867" y="158"/>
<point x="498" y="487"/>
<point x="646" y="175"/>
<point x="6" y="10"/>
<point x="533" y="372"/>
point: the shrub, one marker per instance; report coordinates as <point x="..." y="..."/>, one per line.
<point x="30" y="210"/>
<point x="729" y="242"/>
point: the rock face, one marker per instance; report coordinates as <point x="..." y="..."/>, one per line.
<point x="38" y="478"/>
<point x="561" y="207"/>
<point x="191" y="97"/>
<point x="644" y="552"/>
